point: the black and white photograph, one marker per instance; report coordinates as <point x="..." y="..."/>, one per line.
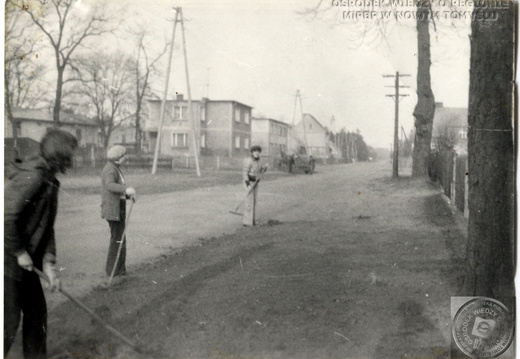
<point x="259" y="179"/>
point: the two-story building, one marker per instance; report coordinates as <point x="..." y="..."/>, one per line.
<point x="222" y="127"/>
<point x="177" y="130"/>
<point x="272" y="135"/>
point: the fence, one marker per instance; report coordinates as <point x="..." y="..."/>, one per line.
<point x="95" y="158"/>
<point x="450" y="171"/>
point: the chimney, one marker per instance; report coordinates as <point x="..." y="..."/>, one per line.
<point x="205" y="99"/>
<point x="180" y="97"/>
<point x="438" y="105"/>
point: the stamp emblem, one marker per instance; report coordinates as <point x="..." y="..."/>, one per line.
<point x="483" y="328"/>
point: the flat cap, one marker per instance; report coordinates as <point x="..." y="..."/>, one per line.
<point x="256" y="148"/>
<point x="116" y="152"/>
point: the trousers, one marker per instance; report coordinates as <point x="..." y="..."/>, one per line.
<point x="25" y="297"/>
<point x="250" y="207"/>
<point x="116" y="236"/>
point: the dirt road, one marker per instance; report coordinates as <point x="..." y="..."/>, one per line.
<point x="345" y="264"/>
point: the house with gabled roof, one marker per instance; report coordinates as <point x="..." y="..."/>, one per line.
<point x="311" y="134"/>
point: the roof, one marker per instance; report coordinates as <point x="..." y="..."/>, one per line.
<point x="270" y="119"/>
<point x="451" y="116"/>
<point x="173" y="100"/>
<point x="200" y="101"/>
<point x="308" y="117"/>
<point x="43" y="115"/>
<point x="240" y="103"/>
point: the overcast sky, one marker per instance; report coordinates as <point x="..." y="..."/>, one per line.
<point x="260" y="52"/>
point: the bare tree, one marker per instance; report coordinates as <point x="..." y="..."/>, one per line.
<point x="425" y="108"/>
<point x="144" y="65"/>
<point x="106" y="88"/>
<point x="491" y="240"/>
<point x="67" y="24"/>
<point x="22" y="76"/>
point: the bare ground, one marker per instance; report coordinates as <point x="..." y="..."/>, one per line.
<point x="367" y="274"/>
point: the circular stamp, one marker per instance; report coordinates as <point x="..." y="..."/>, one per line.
<point x="483" y="328"/>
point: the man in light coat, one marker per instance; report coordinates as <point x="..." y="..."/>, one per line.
<point x="114" y="194"/>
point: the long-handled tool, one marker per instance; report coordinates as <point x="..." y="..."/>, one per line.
<point x="127" y="341"/>
<point x="123" y="239"/>
<point x="255" y="183"/>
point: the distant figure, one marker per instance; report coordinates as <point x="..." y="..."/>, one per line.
<point x="251" y="175"/>
<point x="291" y="163"/>
<point x="312" y="164"/>
<point x="30" y="208"/>
<point x="113" y="207"/>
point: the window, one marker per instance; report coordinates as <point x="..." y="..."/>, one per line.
<point x="177" y="112"/>
<point x="184" y="112"/>
<point x="179" y="139"/>
<point x="246" y="142"/>
<point x="246" y="117"/>
<point x="203" y="141"/>
<point x="203" y="113"/>
<point x="237" y="115"/>
<point x="237" y="142"/>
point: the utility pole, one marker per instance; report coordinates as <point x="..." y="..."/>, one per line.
<point x="194" y="126"/>
<point x="163" y="103"/>
<point x="396" y="96"/>
<point x="298" y="96"/>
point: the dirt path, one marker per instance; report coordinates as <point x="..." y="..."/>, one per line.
<point x="347" y="264"/>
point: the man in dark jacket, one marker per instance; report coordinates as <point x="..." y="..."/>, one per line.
<point x="30" y="207"/>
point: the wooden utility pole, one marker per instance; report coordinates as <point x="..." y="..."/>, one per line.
<point x="194" y="127"/>
<point x="298" y="96"/>
<point x="396" y="96"/>
<point x="163" y="103"/>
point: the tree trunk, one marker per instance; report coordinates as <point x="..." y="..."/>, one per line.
<point x="7" y="104"/>
<point x="491" y="243"/>
<point x="425" y="108"/>
<point x="57" y="101"/>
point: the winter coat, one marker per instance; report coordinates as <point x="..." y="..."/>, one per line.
<point x="30" y="207"/>
<point x="113" y="190"/>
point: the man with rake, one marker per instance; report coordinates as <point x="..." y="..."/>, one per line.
<point x="251" y="175"/>
<point x="115" y="192"/>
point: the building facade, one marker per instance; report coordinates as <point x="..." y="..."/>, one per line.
<point x="271" y="134"/>
<point x="450" y="128"/>
<point x="312" y="135"/>
<point x="34" y="124"/>
<point x="221" y="127"/>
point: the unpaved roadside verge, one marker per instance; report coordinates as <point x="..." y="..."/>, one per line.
<point x="369" y="281"/>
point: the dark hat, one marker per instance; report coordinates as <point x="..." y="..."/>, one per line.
<point x="256" y="148"/>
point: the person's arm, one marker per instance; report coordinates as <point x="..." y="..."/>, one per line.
<point x="245" y="171"/>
